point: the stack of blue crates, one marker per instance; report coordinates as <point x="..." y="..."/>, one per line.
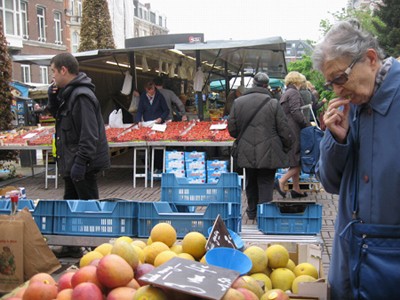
<point x="87" y="217"/>
<point x="193" y="207"/>
<point x="304" y="219"/>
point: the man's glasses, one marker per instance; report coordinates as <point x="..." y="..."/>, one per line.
<point x="342" y="78"/>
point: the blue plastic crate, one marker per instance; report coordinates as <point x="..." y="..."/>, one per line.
<point x="44" y="215"/>
<point x="226" y="190"/>
<point x="95" y="218"/>
<point x="5" y="205"/>
<point x="152" y="213"/>
<point x="273" y="218"/>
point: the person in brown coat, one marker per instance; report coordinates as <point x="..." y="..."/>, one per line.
<point x="264" y="144"/>
<point x="291" y="102"/>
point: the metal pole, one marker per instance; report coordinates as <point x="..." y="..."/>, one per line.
<point x="200" y="110"/>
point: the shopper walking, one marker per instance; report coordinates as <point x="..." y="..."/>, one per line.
<point x="291" y="102"/>
<point x="81" y="143"/>
<point x="264" y="138"/>
<point x="360" y="160"/>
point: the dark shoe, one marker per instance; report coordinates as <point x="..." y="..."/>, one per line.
<point x="297" y="195"/>
<point x="68" y="251"/>
<point x="278" y="188"/>
<point x="251" y="215"/>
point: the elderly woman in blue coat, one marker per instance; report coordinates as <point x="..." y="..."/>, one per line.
<point x="360" y="150"/>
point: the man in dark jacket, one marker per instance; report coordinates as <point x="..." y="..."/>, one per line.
<point x="82" y="148"/>
<point x="152" y="105"/>
<point x="264" y="144"/>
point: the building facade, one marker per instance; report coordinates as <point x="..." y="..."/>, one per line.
<point x="53" y="26"/>
<point x="33" y="27"/>
<point x="295" y="49"/>
<point x="148" y="21"/>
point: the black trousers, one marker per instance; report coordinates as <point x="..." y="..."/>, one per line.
<point x="259" y="188"/>
<point x="86" y="189"/>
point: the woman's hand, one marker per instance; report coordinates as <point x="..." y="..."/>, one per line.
<point x="336" y="118"/>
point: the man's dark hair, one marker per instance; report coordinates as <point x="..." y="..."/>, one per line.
<point x="158" y="81"/>
<point x="149" y="85"/>
<point x="66" y="60"/>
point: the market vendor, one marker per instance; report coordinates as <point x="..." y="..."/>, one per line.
<point x="178" y="114"/>
<point x="152" y="105"/>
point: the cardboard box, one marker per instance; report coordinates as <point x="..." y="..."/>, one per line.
<point x="310" y="253"/>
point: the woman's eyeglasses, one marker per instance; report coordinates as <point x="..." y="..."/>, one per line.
<point x="342" y="78"/>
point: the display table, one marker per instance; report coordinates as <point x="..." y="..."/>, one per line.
<point x="148" y="147"/>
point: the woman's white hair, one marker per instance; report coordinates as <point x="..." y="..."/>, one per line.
<point x="344" y="39"/>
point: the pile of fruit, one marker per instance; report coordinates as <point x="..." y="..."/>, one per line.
<point x="112" y="271"/>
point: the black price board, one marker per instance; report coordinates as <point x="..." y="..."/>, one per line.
<point x="192" y="277"/>
<point x="219" y="236"/>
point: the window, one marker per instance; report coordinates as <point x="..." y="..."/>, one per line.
<point x="152" y="17"/>
<point x="79" y="13"/>
<point x="141" y="13"/>
<point x="160" y="21"/>
<point x="72" y="7"/>
<point x="26" y="73"/>
<point x="40" y="12"/>
<point x="75" y="42"/>
<point x="44" y="75"/>
<point x="57" y="27"/>
<point x="10" y="16"/>
<point x="24" y="19"/>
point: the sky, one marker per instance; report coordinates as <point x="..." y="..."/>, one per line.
<point x="247" y="19"/>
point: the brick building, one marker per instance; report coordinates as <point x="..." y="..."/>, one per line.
<point x="33" y="27"/>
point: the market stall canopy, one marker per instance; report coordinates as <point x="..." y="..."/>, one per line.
<point x="218" y="57"/>
<point x="242" y="57"/>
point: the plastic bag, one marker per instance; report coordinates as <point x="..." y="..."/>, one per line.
<point x="134" y="104"/>
<point x="115" y="119"/>
<point x="127" y="86"/>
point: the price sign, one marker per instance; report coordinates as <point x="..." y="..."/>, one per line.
<point x="219" y="236"/>
<point x="192" y="277"/>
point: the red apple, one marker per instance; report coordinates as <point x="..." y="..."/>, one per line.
<point x="87" y="291"/>
<point x="121" y="293"/>
<point x="248" y="295"/>
<point x="65" y="294"/>
<point x="86" y="274"/>
<point x="40" y="291"/>
<point x="142" y="270"/>
<point x="42" y="277"/>
<point x="113" y="271"/>
<point x="64" y="282"/>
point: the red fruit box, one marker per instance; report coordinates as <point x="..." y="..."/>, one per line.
<point x="43" y="138"/>
<point x="173" y="132"/>
<point x="134" y="134"/>
<point x="21" y="137"/>
<point x="199" y="132"/>
<point x="222" y="135"/>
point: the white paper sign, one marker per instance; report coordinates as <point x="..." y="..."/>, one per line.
<point x="159" y="127"/>
<point x="30" y="135"/>
<point x="218" y="126"/>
